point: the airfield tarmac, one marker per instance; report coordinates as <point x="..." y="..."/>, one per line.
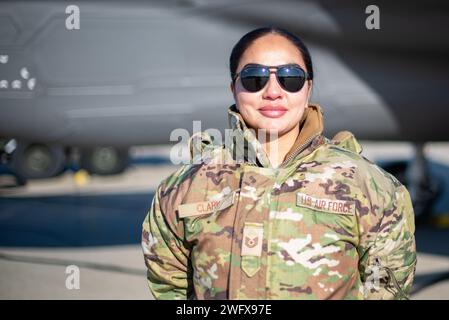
<point x="94" y="223"/>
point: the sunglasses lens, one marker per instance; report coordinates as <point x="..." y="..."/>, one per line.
<point x="254" y="78"/>
<point x="291" y="78"/>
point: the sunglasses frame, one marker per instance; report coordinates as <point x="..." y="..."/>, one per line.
<point x="249" y="65"/>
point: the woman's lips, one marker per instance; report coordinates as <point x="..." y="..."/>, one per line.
<point x="273" y="112"/>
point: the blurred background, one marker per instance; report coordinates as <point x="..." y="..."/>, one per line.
<point x="90" y="92"/>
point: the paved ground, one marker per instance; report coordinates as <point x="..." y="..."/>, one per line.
<point x="94" y="223"/>
<point x="115" y="272"/>
<point x="118" y="272"/>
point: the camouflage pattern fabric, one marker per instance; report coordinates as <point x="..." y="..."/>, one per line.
<point x="326" y="224"/>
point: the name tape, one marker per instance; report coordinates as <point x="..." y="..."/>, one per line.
<point x="204" y="207"/>
<point x="345" y="207"/>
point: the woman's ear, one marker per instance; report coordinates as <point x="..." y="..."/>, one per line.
<point x="232" y="86"/>
<point x="309" y="93"/>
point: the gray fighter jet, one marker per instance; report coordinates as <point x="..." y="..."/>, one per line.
<point x="93" y="81"/>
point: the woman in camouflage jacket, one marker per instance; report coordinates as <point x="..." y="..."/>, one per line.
<point x="299" y="216"/>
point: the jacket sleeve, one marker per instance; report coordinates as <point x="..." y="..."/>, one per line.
<point x="166" y="258"/>
<point x="389" y="253"/>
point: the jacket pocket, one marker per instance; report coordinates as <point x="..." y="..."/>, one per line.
<point x="198" y="217"/>
<point x="332" y="221"/>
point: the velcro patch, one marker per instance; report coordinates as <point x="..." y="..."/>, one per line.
<point x="346" y="207"/>
<point x="205" y="207"/>
<point x="252" y="239"/>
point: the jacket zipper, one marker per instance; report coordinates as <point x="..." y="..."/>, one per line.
<point x="299" y="150"/>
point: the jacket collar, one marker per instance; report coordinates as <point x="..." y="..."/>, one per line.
<point x="311" y="130"/>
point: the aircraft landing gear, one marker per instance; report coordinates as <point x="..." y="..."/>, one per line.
<point x="36" y="161"/>
<point x="423" y="189"/>
<point x="104" y="160"/>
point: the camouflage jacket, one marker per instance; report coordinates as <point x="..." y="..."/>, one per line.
<point x="326" y="224"/>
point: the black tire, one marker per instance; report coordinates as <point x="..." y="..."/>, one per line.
<point x="104" y="160"/>
<point x="37" y="161"/>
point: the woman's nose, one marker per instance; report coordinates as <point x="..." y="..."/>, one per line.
<point x="272" y="89"/>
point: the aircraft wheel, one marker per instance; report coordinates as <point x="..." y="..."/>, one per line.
<point x="104" y="160"/>
<point x="37" y="161"/>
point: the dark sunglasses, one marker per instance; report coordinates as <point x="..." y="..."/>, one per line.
<point x="254" y="77"/>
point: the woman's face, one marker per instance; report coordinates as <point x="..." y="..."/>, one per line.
<point x="271" y="50"/>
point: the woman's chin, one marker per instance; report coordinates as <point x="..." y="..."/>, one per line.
<point x="273" y="127"/>
<point x="274" y="131"/>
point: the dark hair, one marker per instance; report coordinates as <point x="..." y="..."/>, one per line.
<point x="255" y="34"/>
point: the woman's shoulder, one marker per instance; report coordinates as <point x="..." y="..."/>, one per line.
<point x="344" y="162"/>
<point x="345" y="148"/>
<point x="181" y="175"/>
<point x="202" y="153"/>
